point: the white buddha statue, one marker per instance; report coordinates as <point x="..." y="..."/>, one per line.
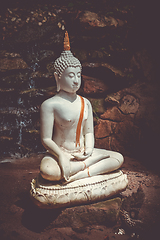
<point x="67" y="130"/>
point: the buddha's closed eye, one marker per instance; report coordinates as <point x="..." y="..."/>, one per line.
<point x="71" y="75"/>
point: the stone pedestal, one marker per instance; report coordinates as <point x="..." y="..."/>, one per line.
<point x="46" y="194"/>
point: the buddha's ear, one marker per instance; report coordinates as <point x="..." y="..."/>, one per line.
<point x="57" y="81"/>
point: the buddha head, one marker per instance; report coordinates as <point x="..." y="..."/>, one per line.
<point x="66" y="66"/>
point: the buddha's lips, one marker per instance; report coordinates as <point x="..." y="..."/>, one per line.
<point x="75" y="86"/>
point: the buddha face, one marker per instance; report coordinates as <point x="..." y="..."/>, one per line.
<point x="70" y="80"/>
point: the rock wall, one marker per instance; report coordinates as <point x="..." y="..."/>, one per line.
<point x="118" y="75"/>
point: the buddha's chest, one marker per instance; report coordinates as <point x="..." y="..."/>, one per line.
<point x="66" y="119"/>
<point x="67" y="115"/>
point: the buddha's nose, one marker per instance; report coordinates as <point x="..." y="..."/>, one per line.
<point x="75" y="80"/>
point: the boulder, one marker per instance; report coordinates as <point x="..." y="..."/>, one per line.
<point x="93" y="85"/>
<point x="103" y="213"/>
<point x="13" y="63"/>
<point x="124" y="125"/>
<point x="92" y="19"/>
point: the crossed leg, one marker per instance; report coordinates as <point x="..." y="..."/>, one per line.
<point x="101" y="161"/>
<point x="50" y="169"/>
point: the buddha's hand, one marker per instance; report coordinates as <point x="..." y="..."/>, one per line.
<point x="82" y="156"/>
<point x="65" y="167"/>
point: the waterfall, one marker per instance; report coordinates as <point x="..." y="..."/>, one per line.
<point x="23" y="112"/>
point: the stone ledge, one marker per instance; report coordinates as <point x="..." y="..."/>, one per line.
<point x="103" y="213"/>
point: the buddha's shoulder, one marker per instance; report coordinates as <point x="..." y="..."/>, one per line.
<point x="87" y="101"/>
<point x="50" y="103"/>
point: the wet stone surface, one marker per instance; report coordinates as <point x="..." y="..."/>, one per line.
<point x="118" y="73"/>
<point x="117" y="46"/>
<point x="134" y="212"/>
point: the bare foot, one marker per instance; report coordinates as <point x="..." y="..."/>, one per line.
<point x="77" y="167"/>
<point x="79" y="175"/>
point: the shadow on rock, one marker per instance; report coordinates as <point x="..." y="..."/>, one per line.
<point x="33" y="218"/>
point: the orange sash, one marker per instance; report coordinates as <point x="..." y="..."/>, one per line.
<point x="78" y="131"/>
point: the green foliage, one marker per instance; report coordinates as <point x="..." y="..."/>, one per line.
<point x="109" y="13"/>
<point x="95" y="114"/>
<point x="71" y="4"/>
<point x="130" y="75"/>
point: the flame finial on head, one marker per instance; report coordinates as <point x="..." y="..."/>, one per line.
<point x="66" y="59"/>
<point x="66" y="42"/>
